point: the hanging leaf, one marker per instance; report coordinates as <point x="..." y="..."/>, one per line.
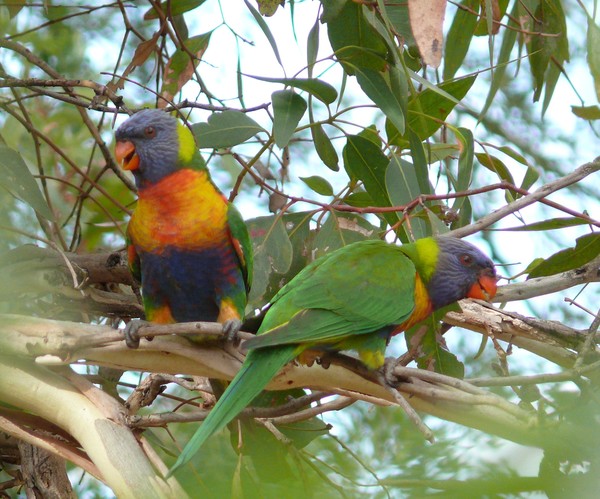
<point x="16" y="178"/>
<point x="377" y="89"/>
<point x="432" y="354"/>
<point x="402" y="187"/>
<point x="268" y="7"/>
<point x="265" y="29"/>
<point x="312" y="47"/>
<point x="225" y="129"/>
<point x="364" y="161"/>
<point x="426" y="23"/>
<point x="459" y="36"/>
<point x="593" y="55"/>
<point x="465" y="163"/>
<point x="428" y="110"/>
<point x="288" y="109"/>
<point x="352" y="37"/>
<point x="182" y="64"/>
<point x="324" y="147"/>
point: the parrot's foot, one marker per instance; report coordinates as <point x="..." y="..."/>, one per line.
<point x="131" y="333"/>
<point x="231" y="328"/>
<point x="387" y="371"/>
<point x="390" y="381"/>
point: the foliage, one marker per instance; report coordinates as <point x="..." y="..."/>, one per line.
<point x="385" y="145"/>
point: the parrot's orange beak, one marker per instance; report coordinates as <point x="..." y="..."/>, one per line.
<point x="126" y="156"/>
<point x="485" y="287"/>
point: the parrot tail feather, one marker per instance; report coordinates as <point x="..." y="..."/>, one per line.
<point x="260" y="367"/>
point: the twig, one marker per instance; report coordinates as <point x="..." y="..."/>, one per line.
<point x="538" y="195"/>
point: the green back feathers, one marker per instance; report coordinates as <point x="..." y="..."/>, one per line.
<point x="356" y="290"/>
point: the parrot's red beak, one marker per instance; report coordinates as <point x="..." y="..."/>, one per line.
<point x="126" y="156"/>
<point x="485" y="287"/>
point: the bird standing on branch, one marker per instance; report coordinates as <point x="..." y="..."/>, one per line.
<point x="355" y="298"/>
<point x="187" y="245"/>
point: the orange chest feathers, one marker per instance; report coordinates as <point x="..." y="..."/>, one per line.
<point x="184" y="210"/>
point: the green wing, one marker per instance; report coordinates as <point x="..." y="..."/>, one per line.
<point x="241" y="241"/>
<point x="359" y="289"/>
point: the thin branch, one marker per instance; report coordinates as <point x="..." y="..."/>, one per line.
<point x="575" y="176"/>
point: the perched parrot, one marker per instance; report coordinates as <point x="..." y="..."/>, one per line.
<point x="354" y="298"/>
<point x="187" y="245"/>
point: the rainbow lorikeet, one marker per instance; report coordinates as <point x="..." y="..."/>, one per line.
<point x="187" y="245"/>
<point x="355" y="298"/>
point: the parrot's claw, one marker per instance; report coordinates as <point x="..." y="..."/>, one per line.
<point x="231" y="328"/>
<point x="387" y="371"/>
<point x="131" y="333"/>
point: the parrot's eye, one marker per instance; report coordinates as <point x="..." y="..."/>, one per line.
<point x="466" y="260"/>
<point x="150" y="132"/>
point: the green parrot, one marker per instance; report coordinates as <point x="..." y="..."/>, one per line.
<point x="354" y="298"/>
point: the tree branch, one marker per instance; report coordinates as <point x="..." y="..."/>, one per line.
<point x="448" y="398"/>
<point x="544" y="191"/>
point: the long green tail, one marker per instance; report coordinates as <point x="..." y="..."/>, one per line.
<point x="259" y="368"/>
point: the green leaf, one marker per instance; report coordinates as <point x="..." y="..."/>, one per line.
<point x="225" y="129"/>
<point x="341" y="229"/>
<point x="531" y="175"/>
<point x="364" y="161"/>
<point x="272" y="254"/>
<point x="508" y="42"/>
<point x="593" y="54"/>
<point x="16" y="178"/>
<point x="439" y="152"/>
<point x="352" y="57"/>
<point x="465" y="163"/>
<point x="420" y="163"/>
<point x="402" y="187"/>
<point x="428" y="110"/>
<point x="377" y="89"/>
<point x="495" y="165"/>
<point x="265" y="29"/>
<point x="398" y="16"/>
<point x="177" y="8"/>
<point x="318" y="88"/>
<point x="318" y="184"/>
<point x="288" y="109"/>
<point x="459" y="37"/>
<point x="544" y="225"/>
<point x="274" y="267"/>
<point x="425" y="339"/>
<point x="589" y="113"/>
<point x="587" y="248"/>
<point x="360" y="199"/>
<point x="348" y="27"/>
<point x="548" y="44"/>
<point x="324" y="147"/>
<point x="312" y="47"/>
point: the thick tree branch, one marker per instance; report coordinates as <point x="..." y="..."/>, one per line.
<point x="448" y="398"/>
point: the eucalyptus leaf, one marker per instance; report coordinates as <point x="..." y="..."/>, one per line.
<point x="587" y="248"/>
<point x="225" y="129"/>
<point x="16" y="178"/>
<point x="288" y="109"/>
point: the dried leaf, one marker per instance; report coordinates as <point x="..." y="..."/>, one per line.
<point x="426" y="22"/>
